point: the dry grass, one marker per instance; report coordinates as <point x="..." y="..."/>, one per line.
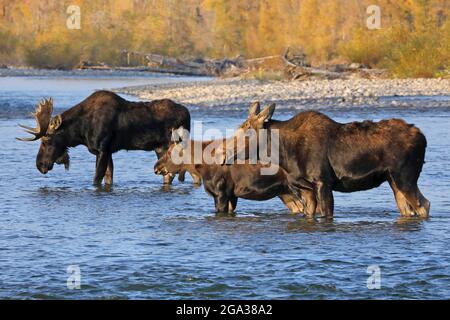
<point x="422" y="53"/>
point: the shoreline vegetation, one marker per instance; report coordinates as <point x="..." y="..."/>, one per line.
<point x="288" y="66"/>
<point x="277" y="67"/>
<point x="412" y="39"/>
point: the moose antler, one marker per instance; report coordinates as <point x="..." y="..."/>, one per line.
<point x="43" y="117"/>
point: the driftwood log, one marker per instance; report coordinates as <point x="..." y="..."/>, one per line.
<point x="294" y="66"/>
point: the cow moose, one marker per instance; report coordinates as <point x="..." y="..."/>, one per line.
<point x="228" y="183"/>
<point x="105" y="123"/>
<point x="342" y="157"/>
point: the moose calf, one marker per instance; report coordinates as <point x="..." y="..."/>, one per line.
<point x="227" y="183"/>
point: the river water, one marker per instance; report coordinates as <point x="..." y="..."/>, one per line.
<point x="142" y="240"/>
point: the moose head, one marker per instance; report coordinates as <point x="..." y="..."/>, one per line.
<point x="174" y="158"/>
<point x="53" y="148"/>
<point x="237" y="146"/>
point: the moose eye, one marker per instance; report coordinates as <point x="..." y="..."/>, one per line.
<point x="245" y="125"/>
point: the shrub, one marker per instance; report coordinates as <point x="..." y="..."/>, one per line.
<point x="52" y="55"/>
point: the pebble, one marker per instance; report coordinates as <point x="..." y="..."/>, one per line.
<point x="231" y="91"/>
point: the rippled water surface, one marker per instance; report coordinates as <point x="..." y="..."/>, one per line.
<point x="142" y="240"/>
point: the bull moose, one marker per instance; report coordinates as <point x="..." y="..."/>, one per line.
<point x="342" y="157"/>
<point x="228" y="183"/>
<point x="105" y="123"/>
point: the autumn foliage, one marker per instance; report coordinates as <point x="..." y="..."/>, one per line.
<point x="414" y="38"/>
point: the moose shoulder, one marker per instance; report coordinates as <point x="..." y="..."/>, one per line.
<point x="344" y="157"/>
<point x="105" y="123"/>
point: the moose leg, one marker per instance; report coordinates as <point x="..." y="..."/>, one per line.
<point x="424" y="208"/>
<point x="402" y="203"/>
<point x="419" y="204"/>
<point x="303" y="197"/>
<point x="232" y="203"/>
<point x="182" y="175"/>
<point x="400" y="199"/>
<point x="168" y="179"/>
<point x="109" y="171"/>
<point x="222" y="204"/>
<point x="410" y="200"/>
<point x="101" y="166"/>
<point x="324" y="198"/>
<point x="197" y="179"/>
<point x="310" y="203"/>
<point x="290" y="203"/>
<point x="222" y="199"/>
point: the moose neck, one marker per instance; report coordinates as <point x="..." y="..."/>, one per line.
<point x="72" y="126"/>
<point x="283" y="143"/>
<point x="193" y="164"/>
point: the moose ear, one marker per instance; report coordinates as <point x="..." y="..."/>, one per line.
<point x="180" y="135"/>
<point x="174" y="136"/>
<point x="267" y="113"/>
<point x="180" y="132"/>
<point x="254" y="109"/>
<point x="55" y="123"/>
<point x="185" y="136"/>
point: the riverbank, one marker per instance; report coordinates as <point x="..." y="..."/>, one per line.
<point x="312" y="93"/>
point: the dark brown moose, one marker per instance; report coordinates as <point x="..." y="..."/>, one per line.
<point x="105" y="123"/>
<point x="228" y="183"/>
<point x="342" y="157"/>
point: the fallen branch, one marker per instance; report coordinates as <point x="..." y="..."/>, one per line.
<point x="294" y="66"/>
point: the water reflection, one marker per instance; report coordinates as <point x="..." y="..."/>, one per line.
<point x="409" y="224"/>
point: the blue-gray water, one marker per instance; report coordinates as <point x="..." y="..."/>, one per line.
<point x="144" y="241"/>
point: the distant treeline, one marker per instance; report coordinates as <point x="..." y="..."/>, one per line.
<point x="413" y="39"/>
